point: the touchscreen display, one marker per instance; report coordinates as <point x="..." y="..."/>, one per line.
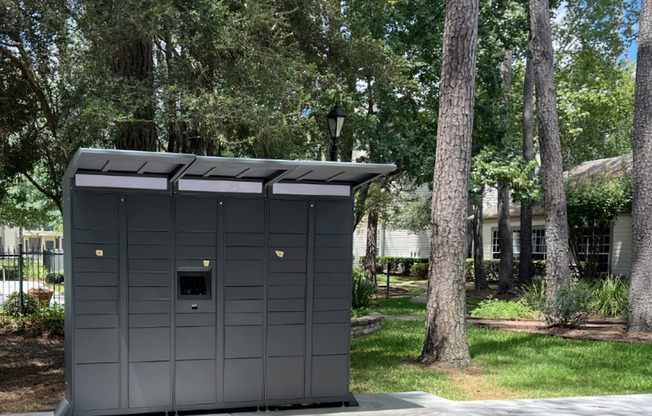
<point x="193" y="286"/>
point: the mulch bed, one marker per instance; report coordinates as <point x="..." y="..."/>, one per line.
<point x="598" y="329"/>
<point x="31" y="372"/>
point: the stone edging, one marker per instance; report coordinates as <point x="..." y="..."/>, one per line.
<point x="366" y="324"/>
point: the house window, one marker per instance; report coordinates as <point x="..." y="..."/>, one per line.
<point x="538" y="244"/>
<point x="602" y="242"/>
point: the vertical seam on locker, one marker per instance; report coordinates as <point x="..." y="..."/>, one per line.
<point x="123" y="282"/>
<point x="220" y="272"/>
<point x="310" y="289"/>
<point x="350" y="300"/>
<point x="266" y="208"/>
<point x="173" y="301"/>
<point x="69" y="307"/>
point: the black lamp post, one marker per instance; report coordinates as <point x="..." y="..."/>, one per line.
<point x="335" y="121"/>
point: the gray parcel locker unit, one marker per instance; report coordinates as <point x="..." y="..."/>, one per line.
<point x="196" y="283"/>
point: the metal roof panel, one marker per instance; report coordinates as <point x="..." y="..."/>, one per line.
<point x="177" y="165"/>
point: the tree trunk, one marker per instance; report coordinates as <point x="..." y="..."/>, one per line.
<point x="525" y="257"/>
<point x="506" y="266"/>
<point x="446" y="340"/>
<point x="135" y="64"/>
<point x="479" y="275"/>
<point x="558" y="271"/>
<point x="360" y="204"/>
<point x="640" y="292"/>
<point x="505" y="242"/>
<point x="372" y="245"/>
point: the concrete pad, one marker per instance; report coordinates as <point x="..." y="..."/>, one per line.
<point x="417" y="403"/>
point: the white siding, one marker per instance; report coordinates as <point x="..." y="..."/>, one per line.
<point x="359" y="241"/>
<point x="394" y="243"/>
<point x="621" y="247"/>
<point x="401" y="243"/>
<point x="9" y="238"/>
<point x="491" y="224"/>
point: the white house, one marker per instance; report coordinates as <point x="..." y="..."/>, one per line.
<point x="33" y="240"/>
<point x="615" y="256"/>
<point x="616" y="251"/>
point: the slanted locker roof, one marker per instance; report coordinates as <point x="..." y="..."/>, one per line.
<point x="176" y="166"/>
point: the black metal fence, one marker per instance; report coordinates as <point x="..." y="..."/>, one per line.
<point x="30" y="279"/>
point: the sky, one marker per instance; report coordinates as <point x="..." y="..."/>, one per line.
<point x="629" y="54"/>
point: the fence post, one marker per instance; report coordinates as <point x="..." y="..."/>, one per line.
<point x="389" y="269"/>
<point x="20" y="278"/>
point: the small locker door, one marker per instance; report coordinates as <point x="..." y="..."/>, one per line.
<point x="286" y="308"/>
<point x="195" y="287"/>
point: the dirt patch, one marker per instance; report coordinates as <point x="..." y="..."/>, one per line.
<point x="596" y="329"/>
<point x="32" y="372"/>
<point x="381" y="291"/>
<point x="472" y="381"/>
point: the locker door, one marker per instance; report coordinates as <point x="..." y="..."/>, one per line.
<point x="149" y="278"/>
<point x="287" y="285"/>
<point x="96" y="302"/>
<point x="332" y="298"/>
<point x="244" y="245"/>
<point x="195" y="294"/>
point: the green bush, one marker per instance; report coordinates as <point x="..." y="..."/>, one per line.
<point x="54" y="278"/>
<point x="610" y="297"/>
<point x="469" y="273"/>
<point x="363" y="289"/>
<point x="491" y="268"/>
<point x="400" y="265"/>
<point x="33" y="270"/>
<point x="570" y="306"/>
<point x="420" y="270"/>
<point x="10" y="273"/>
<point x="11" y="305"/>
<point x="49" y="320"/>
<point x="499" y="309"/>
<point x="534" y="295"/>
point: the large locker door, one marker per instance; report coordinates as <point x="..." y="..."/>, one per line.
<point x="149" y="279"/>
<point x="197" y="353"/>
<point x="244" y="268"/>
<point x="286" y="308"/>
<point x="96" y="306"/>
<point x="332" y="298"/>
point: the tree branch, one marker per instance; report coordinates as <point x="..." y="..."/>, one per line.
<point x="30" y="77"/>
<point x="55" y="198"/>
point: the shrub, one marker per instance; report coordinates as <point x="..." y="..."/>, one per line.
<point x="363" y="289"/>
<point x="491" y="269"/>
<point x="420" y="270"/>
<point x="500" y="309"/>
<point x="10" y="273"/>
<point x="610" y="297"/>
<point x="49" y="320"/>
<point x="469" y="274"/>
<point x="534" y="295"/>
<point x="11" y="306"/>
<point x="54" y="278"/>
<point x="400" y="265"/>
<point x="569" y="307"/>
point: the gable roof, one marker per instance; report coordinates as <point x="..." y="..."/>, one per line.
<point x="584" y="171"/>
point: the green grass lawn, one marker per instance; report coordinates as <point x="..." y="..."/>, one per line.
<point x="395" y="279"/>
<point x="398" y="306"/>
<point x="402" y="306"/>
<point x="505" y="365"/>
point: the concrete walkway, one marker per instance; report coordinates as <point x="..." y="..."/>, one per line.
<point x="418" y="403"/>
